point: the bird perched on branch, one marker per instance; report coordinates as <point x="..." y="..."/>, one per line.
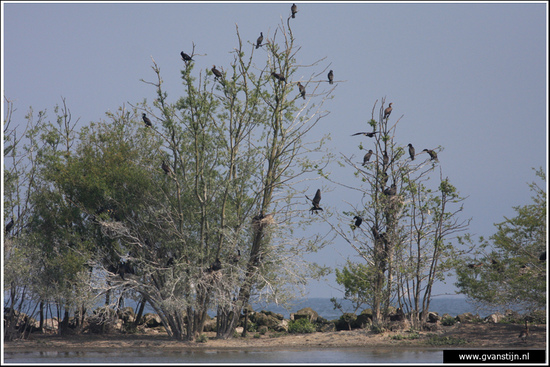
<point x="330" y="77"/>
<point x="411" y="151"/>
<point x="216" y="265"/>
<point x="259" y="40"/>
<point x="166" y="168"/>
<point x="315" y="202"/>
<point x="185" y="56"/>
<point x="385" y="159"/>
<point x="358" y="221"/>
<point x="9" y="226"/>
<point x="542" y="256"/>
<point x="146" y="120"/>
<point x="279" y="77"/>
<point x="294" y="10"/>
<point x="387" y="111"/>
<point x="473" y="266"/>
<point x="367" y="134"/>
<point x="433" y="155"/>
<point x="216" y="72"/>
<point x="367" y="156"/>
<point x="391" y="191"/>
<point x="302" y="90"/>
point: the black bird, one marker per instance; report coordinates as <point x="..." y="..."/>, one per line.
<point x="146" y="120"/>
<point x="216" y="265"/>
<point x="375" y="232"/>
<point x="330" y="77"/>
<point x="542" y="256"/>
<point x="216" y="72"/>
<point x="383" y="178"/>
<point x="411" y="151"/>
<point x="259" y="40"/>
<point x="185" y="56"/>
<point x="385" y="159"/>
<point x="302" y="90"/>
<point x="367" y="156"/>
<point x="472" y="266"/>
<point x="387" y="111"/>
<point x="316" y="201"/>
<point x="9" y="226"/>
<point x="279" y="77"/>
<point x="367" y="134"/>
<point x="390" y="191"/>
<point x="294" y="10"/>
<point x="358" y="221"/>
<point x="433" y="155"/>
<point x="166" y="168"/>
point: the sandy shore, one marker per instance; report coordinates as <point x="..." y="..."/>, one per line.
<point x="463" y="336"/>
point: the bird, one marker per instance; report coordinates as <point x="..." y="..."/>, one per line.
<point x="358" y="221"/>
<point x="302" y="90"/>
<point x="390" y="191"/>
<point x="367" y="156"/>
<point x="294" y="10"/>
<point x="216" y="265"/>
<point x="387" y="111"/>
<point x="524" y="333"/>
<point x="411" y="151"/>
<point x="216" y="72"/>
<point x="316" y="201"/>
<point x="279" y="77"/>
<point x="236" y="257"/>
<point x="9" y="226"/>
<point x="542" y="256"/>
<point x="146" y="120"/>
<point x="433" y="155"/>
<point x="259" y="40"/>
<point x="166" y="168"/>
<point x="472" y="266"/>
<point x="367" y="134"/>
<point x="330" y="77"/>
<point x="185" y="56"/>
<point x="385" y="159"/>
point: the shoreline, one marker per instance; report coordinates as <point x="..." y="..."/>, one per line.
<point x="460" y="336"/>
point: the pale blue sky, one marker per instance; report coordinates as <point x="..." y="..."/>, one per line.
<point x="469" y="77"/>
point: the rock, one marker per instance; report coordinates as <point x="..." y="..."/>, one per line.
<point x="127" y="315"/>
<point x="261" y="319"/>
<point x="466" y="317"/>
<point x="274" y="314"/>
<point x="494" y="318"/>
<point x="210" y="325"/>
<point x="152" y="320"/>
<point x="433" y="317"/>
<point x="306" y="312"/>
<point x="363" y="320"/>
<point x="326" y="327"/>
<point x="346" y="322"/>
<point x="282" y="326"/>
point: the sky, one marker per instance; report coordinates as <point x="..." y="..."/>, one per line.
<point x="470" y="77"/>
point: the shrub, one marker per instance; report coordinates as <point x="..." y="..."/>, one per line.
<point x="202" y="338"/>
<point x="445" y="340"/>
<point x="301" y="326"/>
<point x="448" y="321"/>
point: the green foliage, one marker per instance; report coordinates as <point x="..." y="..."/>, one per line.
<point x="301" y="326"/>
<point x="509" y="272"/>
<point x="448" y="321"/>
<point x="438" y="340"/>
<point x="202" y="338"/>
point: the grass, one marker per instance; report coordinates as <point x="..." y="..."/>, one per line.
<point x="445" y="340"/>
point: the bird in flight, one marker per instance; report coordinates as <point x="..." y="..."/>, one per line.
<point x="368" y="134"/>
<point x="330" y="77"/>
<point x="185" y="56"/>
<point x="367" y="156"/>
<point x="259" y="40"/>
<point x="146" y="120"/>
<point x="411" y="151"/>
<point x="315" y="202"/>
<point x="302" y="90"/>
<point x="294" y="10"/>
<point x="387" y="111"/>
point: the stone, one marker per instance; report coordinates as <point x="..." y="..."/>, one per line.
<point x="309" y="313"/>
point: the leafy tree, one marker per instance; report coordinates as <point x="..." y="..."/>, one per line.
<point x="405" y="238"/>
<point x="507" y="271"/>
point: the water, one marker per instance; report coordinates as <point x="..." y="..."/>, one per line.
<point x="325" y="356"/>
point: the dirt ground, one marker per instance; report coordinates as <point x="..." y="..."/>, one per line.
<point x="463" y="336"/>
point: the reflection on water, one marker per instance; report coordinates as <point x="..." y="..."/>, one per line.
<point x="331" y="355"/>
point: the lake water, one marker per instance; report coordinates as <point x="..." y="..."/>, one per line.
<point x="319" y="356"/>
